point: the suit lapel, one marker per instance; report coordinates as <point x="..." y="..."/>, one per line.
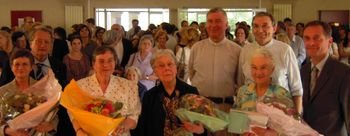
<point x="323" y="77"/>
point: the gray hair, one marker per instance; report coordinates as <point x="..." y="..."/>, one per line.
<point x="160" y="53"/>
<point x="40" y="28"/>
<point x="215" y="10"/>
<point x="109" y="37"/>
<point x="265" y="53"/>
<point x="133" y="68"/>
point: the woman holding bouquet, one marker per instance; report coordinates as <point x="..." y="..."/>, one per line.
<point x="104" y="84"/>
<point x="160" y="103"/>
<point x="22" y="62"/>
<point x="262" y="90"/>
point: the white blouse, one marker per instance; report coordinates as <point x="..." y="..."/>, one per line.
<point x="118" y="89"/>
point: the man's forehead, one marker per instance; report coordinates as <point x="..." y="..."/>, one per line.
<point x="262" y="20"/>
<point x="41" y="34"/>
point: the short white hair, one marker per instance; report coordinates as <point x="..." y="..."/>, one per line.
<point x="265" y="53"/>
<point x="160" y="53"/>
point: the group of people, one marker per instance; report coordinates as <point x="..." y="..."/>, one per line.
<point x="233" y="74"/>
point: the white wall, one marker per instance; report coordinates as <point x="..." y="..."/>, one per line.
<point x="53" y="10"/>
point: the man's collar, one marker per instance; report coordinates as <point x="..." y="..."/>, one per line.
<point x="321" y="64"/>
<point x="46" y="62"/>
<point x="217" y="43"/>
<point x="266" y="45"/>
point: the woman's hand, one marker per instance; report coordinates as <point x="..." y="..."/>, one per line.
<point x="152" y="77"/>
<point x="81" y="132"/>
<point x="44" y="127"/>
<point x="11" y="132"/>
<point x="193" y="128"/>
<point x="125" y="126"/>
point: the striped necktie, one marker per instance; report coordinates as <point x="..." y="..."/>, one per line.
<point x="39" y="72"/>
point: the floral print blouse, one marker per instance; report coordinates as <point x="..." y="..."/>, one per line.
<point x="247" y="97"/>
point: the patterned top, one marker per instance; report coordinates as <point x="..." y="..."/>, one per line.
<point x="118" y="89"/>
<point x="170" y="104"/>
<point x="247" y="97"/>
<point x="77" y="69"/>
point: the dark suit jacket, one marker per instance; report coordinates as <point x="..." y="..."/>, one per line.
<point x="60" y="49"/>
<point x="327" y="110"/>
<point x="127" y="46"/>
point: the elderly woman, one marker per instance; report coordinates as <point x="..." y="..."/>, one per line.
<point x="134" y="74"/>
<point x="22" y="62"/>
<point x="187" y="37"/>
<point x="104" y="84"/>
<point x="262" y="90"/>
<point x="161" y="39"/>
<point x="141" y="60"/>
<point x="159" y="104"/>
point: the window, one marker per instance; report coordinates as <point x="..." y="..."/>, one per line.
<point x="233" y="15"/>
<point x="109" y="16"/>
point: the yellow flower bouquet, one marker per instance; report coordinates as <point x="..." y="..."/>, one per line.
<point x="94" y="124"/>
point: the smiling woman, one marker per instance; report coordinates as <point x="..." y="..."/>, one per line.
<point x="160" y="103"/>
<point x="262" y="89"/>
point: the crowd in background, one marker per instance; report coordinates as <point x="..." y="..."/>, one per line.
<point x="190" y="44"/>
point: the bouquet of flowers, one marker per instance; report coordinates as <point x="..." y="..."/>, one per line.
<point x="14" y="104"/>
<point x="198" y="109"/>
<point x="105" y="107"/>
<point x="283" y="123"/>
<point x="90" y="112"/>
<point x="27" y="110"/>
<point x="284" y="104"/>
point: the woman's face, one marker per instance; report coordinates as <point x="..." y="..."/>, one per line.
<point x="100" y="34"/>
<point x="3" y="41"/>
<point x="84" y="32"/>
<point x="262" y="69"/>
<point x="76" y="45"/>
<point x="146" y="45"/>
<point x="104" y="64"/>
<point x="165" y="68"/>
<point x="22" y="42"/>
<point x="240" y="35"/>
<point x="162" y="40"/>
<point x="132" y="75"/>
<point x="21" y="67"/>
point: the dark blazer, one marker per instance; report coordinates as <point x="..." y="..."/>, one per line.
<point x="59" y="49"/>
<point x="127" y="46"/>
<point x="152" y="119"/>
<point x="328" y="109"/>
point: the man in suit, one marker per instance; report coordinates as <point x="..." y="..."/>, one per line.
<point x="326" y="98"/>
